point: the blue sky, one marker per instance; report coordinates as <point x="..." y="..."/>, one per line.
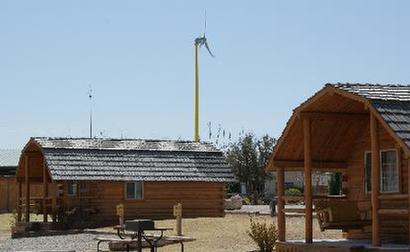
<point x="138" y="57"/>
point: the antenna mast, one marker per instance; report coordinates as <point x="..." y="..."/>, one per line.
<point x="90" y="96"/>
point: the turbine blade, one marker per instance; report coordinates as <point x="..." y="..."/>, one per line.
<point x="209" y="50"/>
<point x="205" y="24"/>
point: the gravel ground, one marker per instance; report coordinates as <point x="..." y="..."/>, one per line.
<point x="228" y="234"/>
<point x="77" y="242"/>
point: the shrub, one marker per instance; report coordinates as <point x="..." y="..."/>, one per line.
<point x="293" y="191"/>
<point x="246" y="200"/>
<point x="263" y="235"/>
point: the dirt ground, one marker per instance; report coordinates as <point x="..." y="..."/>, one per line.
<point x="216" y="234"/>
<point x="230" y="233"/>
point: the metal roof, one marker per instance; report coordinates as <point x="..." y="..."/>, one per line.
<point x="133" y="160"/>
<point x="391" y="101"/>
<point x="9" y="157"/>
<point x="9" y="160"/>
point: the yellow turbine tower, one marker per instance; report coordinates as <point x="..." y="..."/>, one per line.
<point x="198" y="43"/>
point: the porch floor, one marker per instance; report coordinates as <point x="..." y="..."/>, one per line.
<point x="340" y="245"/>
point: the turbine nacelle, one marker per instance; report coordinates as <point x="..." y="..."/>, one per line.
<point x="202" y="41"/>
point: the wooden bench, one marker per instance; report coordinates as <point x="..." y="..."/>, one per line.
<point x="340" y="214"/>
<point x="125" y="242"/>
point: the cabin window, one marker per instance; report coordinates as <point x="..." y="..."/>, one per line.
<point x="389" y="171"/>
<point x="134" y="190"/>
<point x="71" y="188"/>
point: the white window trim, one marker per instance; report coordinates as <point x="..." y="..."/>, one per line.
<point x="380" y="170"/>
<point x="135" y="192"/>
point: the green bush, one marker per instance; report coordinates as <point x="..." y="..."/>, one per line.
<point x="246" y="200"/>
<point x="263" y="235"/>
<point x="293" y="191"/>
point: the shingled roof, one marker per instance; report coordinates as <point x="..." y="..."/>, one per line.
<point x="133" y="160"/>
<point x="392" y="102"/>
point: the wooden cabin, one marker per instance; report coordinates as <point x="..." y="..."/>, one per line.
<point x="8" y="187"/>
<point x="337" y="130"/>
<point x="84" y="179"/>
<point x="8" y="166"/>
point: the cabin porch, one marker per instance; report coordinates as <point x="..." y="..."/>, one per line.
<point x="338" y="246"/>
<point x="335" y="132"/>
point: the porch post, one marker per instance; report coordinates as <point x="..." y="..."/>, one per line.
<point x="307" y="179"/>
<point x="19" y="201"/>
<point x="27" y="185"/>
<point x="375" y="180"/>
<point x="54" y="200"/>
<point x="45" y="192"/>
<point x="280" y="176"/>
<point x="408" y="191"/>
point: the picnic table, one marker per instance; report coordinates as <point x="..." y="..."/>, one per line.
<point x="138" y="230"/>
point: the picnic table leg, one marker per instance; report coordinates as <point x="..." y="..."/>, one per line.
<point x="139" y="241"/>
<point x="98" y="246"/>
<point x="182" y="246"/>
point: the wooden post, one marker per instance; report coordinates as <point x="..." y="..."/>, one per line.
<point x="178" y="215"/>
<point x="19" y="201"/>
<point x="8" y="195"/>
<point x="54" y="201"/>
<point x="27" y="186"/>
<point x="120" y="213"/>
<point x="375" y="180"/>
<point x="45" y="192"/>
<point x="308" y="180"/>
<point x="280" y="183"/>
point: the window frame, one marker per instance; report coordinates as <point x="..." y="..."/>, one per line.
<point x="398" y="164"/>
<point x="135" y="190"/>
<point x="68" y="188"/>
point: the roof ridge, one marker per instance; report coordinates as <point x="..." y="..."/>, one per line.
<point x="366" y="84"/>
<point x="119" y="139"/>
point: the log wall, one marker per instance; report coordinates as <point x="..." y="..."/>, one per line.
<point x="393" y="228"/>
<point x="198" y="199"/>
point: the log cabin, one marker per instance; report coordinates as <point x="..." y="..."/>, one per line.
<point x="337" y="130"/>
<point x="86" y="178"/>
<point x="8" y="166"/>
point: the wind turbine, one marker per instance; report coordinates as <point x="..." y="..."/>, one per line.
<point x="198" y="43"/>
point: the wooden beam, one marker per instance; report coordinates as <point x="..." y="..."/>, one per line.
<point x="393" y="197"/>
<point x="45" y="192"/>
<point x="308" y="180"/>
<point x="54" y="201"/>
<point x="393" y="212"/>
<point x="281" y="203"/>
<point x="294" y="210"/>
<point x="19" y="202"/>
<point x="33" y="180"/>
<point x="316" y="164"/>
<point x="375" y="180"/>
<point x="335" y="115"/>
<point x="27" y="187"/>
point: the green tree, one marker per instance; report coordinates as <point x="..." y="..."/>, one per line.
<point x="248" y="158"/>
